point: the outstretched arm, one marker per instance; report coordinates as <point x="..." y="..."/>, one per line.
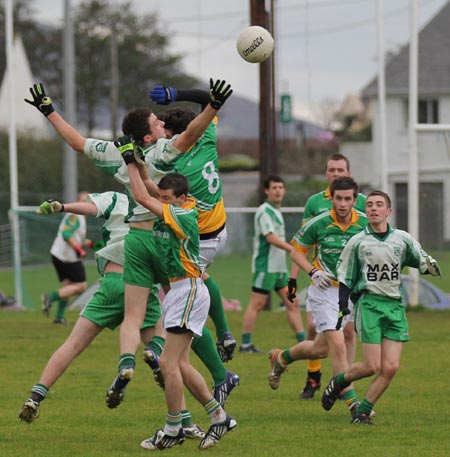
<point x="218" y="94"/>
<point x="165" y="95"/>
<point x="52" y="206"/>
<point x="43" y="103"/>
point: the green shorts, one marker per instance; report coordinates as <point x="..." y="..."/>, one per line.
<point x="264" y="282"/>
<point x="106" y="307"/>
<point x="378" y="317"/>
<point x="142" y="266"/>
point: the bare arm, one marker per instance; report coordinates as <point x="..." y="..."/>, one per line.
<point x="151" y="187"/>
<point x="67" y="132"/>
<point x="195" y="129"/>
<point x="83" y="208"/>
<point x="140" y="192"/>
<point x="278" y="242"/>
<point x="301" y="260"/>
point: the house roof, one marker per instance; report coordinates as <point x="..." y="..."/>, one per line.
<point x="434" y="61"/>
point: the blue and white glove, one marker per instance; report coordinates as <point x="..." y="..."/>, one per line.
<point x="163" y="95"/>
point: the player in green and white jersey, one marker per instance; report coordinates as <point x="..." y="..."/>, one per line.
<point x="369" y="271"/>
<point x="106" y="308"/>
<point x="185" y="306"/>
<point x="67" y="252"/>
<point x="269" y="264"/>
<point x="327" y="234"/>
<point x="336" y="165"/>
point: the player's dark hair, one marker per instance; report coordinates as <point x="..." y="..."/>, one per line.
<point x="344" y="183"/>
<point x="270" y="179"/>
<point x="380" y="193"/>
<point x="337" y="156"/>
<point x="176" y="182"/>
<point x="136" y="123"/>
<point x="177" y="119"/>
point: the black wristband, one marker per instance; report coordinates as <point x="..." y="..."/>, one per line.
<point x="62" y="208"/>
<point x="312" y="271"/>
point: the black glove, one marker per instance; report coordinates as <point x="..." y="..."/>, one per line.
<point x="218" y="94"/>
<point x="292" y="289"/>
<point x="40" y="100"/>
<point x="128" y="149"/>
<point x="163" y="95"/>
<point x="343" y="311"/>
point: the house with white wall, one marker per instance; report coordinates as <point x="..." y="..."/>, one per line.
<point x="433" y="147"/>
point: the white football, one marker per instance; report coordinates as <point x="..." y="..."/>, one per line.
<point x="255" y="44"/>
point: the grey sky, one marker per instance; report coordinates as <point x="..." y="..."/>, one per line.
<point x="325" y="49"/>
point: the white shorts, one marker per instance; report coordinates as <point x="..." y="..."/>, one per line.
<point x="350" y="318"/>
<point x="186" y="305"/>
<point x="325" y="308"/>
<point x="210" y="248"/>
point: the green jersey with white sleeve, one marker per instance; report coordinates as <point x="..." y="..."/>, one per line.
<point x="268" y="258"/>
<point x="373" y="264"/>
<point x="159" y="159"/>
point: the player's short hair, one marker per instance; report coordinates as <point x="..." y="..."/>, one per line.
<point x="177" y="119"/>
<point x="175" y="182"/>
<point x="270" y="179"/>
<point x="344" y="183"/>
<point x="135" y="123"/>
<point x="337" y="156"/>
<point x="380" y="193"/>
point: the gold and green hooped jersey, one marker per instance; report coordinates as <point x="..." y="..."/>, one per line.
<point x="328" y="238"/>
<point x="374" y="265"/>
<point x="268" y="258"/>
<point x="159" y="159"/>
<point x="179" y="240"/>
<point x="321" y="202"/>
<point x="200" y="165"/>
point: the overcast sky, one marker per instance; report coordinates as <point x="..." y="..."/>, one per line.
<point x="325" y="49"/>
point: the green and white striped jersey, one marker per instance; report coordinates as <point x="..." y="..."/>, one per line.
<point x="373" y="265"/>
<point x="113" y="207"/>
<point x="266" y="257"/>
<point x="159" y="159"/>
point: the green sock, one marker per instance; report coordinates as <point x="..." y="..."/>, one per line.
<point x="62" y="305"/>
<point x="127" y="360"/>
<point x="53" y="296"/>
<point x="300" y="336"/>
<point x="246" y="338"/>
<point x="186" y="417"/>
<point x="365" y="407"/>
<point x="287" y="356"/>
<point x="216" y="311"/>
<point x="156" y="344"/>
<point x="206" y="350"/>
<point x="39" y="392"/>
<point x="341" y="382"/>
<point x="350" y="397"/>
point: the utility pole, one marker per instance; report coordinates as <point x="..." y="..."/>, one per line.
<point x="268" y="159"/>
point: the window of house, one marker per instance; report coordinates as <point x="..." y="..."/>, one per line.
<point x="428" y="111"/>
